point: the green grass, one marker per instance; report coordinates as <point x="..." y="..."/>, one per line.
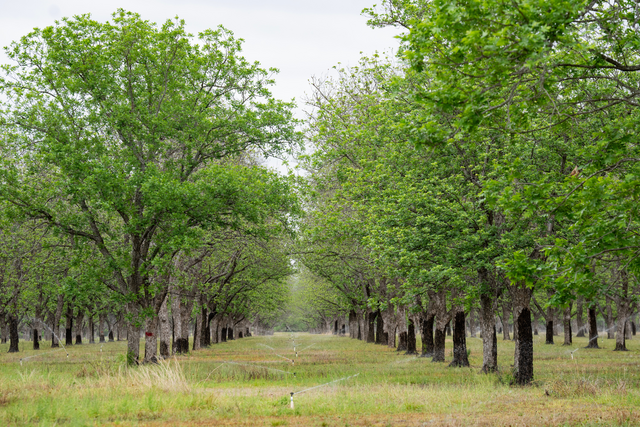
<point x="93" y="387"/>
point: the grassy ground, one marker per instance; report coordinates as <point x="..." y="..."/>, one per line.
<point x="93" y="387"/>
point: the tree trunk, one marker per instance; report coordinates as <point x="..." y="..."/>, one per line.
<point x="427" y="336"/>
<point x="353" y="324"/>
<point x="524" y="373"/>
<point x="402" y="341"/>
<point x="608" y="317"/>
<point x="593" y="328"/>
<point x="549" y="319"/>
<point x="79" y="320"/>
<point x="4" y="327"/>
<point x="165" y="329"/>
<point x="133" y="334"/>
<point x="411" y="338"/>
<point x="101" y="321"/>
<point x="505" y="321"/>
<point x="133" y="344"/>
<point x="55" y="327"/>
<point x="36" y="341"/>
<point x="215" y="329"/>
<point x="472" y="323"/>
<point x="13" y="334"/>
<point x="438" y="342"/>
<point x="379" y="328"/>
<point x="176" y="309"/>
<point x="523" y="355"/>
<point x="197" y="334"/>
<point x="390" y="325"/>
<point x="489" y="336"/>
<point x="205" y="338"/>
<point x="621" y="342"/>
<point x="567" y="326"/>
<point x="151" y="340"/>
<point x="371" y="327"/>
<point x="69" y="329"/>
<point x="186" y="308"/>
<point x="579" y="320"/>
<point x="460" y="358"/>
<point x="91" y="331"/>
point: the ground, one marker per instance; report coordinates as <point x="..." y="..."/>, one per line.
<point x="92" y="386"/>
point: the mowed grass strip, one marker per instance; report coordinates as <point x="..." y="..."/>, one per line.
<point x="94" y="387"/>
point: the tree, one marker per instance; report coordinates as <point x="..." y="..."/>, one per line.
<point x="114" y="132"/>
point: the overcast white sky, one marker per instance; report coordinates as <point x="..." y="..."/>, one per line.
<point x="300" y="37"/>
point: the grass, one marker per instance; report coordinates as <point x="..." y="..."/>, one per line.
<point x="94" y="387"/>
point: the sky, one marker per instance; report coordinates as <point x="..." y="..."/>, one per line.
<point x="302" y="38"/>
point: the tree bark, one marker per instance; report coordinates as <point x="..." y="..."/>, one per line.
<point x="69" y="328"/>
<point x="524" y="373"/>
<point x="13" y="334"/>
<point x="79" y="321"/>
<point x="505" y="321"/>
<point x="165" y="329"/>
<point x="91" y="330"/>
<point x="489" y="336"/>
<point x="133" y="334"/>
<point x="411" y="338"/>
<point x="151" y="340"/>
<point x="402" y="341"/>
<point x="198" y="331"/>
<point x="390" y="326"/>
<point x="460" y="358"/>
<point x="36" y="341"/>
<point x="133" y="344"/>
<point x="427" y="336"/>
<point x="179" y="346"/>
<point x="353" y="324"/>
<point x="608" y="317"/>
<point x="101" y="321"/>
<point x="568" y="339"/>
<point x="55" y="327"/>
<point x="4" y="325"/>
<point x="371" y="337"/>
<point x="438" y="343"/>
<point x="579" y="320"/>
<point x="593" y="328"/>
<point x="379" y="328"/>
<point x="549" y="319"/>
<point x="205" y="337"/>
<point x="472" y="323"/>
<point x="186" y="308"/>
<point x="523" y="355"/>
<point x="621" y="342"/>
